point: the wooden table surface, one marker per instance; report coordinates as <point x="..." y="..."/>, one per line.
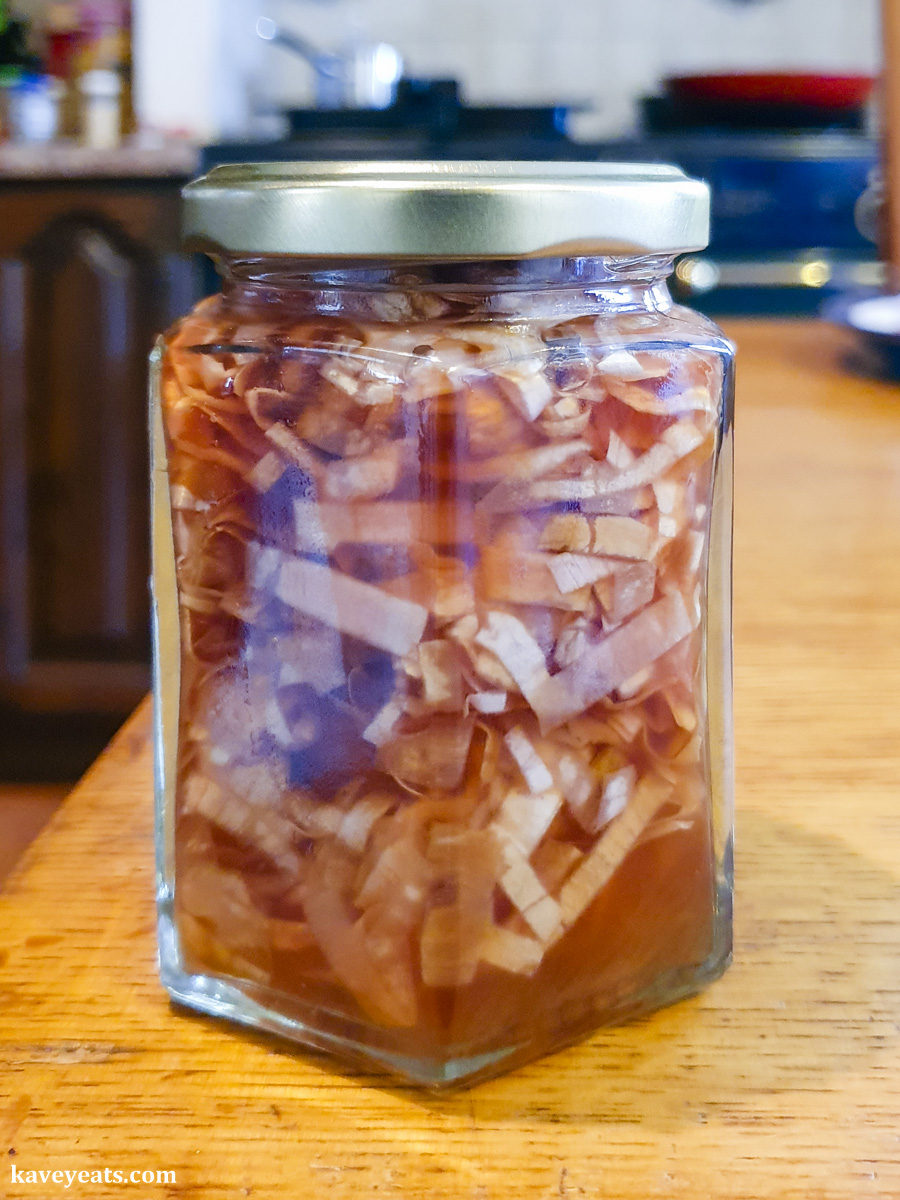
<point x="783" y="1080"/>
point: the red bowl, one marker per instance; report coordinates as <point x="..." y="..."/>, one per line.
<point x="839" y="92"/>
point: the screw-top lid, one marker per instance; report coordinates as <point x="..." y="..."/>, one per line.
<point x="446" y="210"/>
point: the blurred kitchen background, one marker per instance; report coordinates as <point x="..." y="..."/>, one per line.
<point x="106" y="108"/>
<point x="602" y="54"/>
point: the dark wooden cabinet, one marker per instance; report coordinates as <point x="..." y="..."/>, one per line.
<point x="89" y="275"/>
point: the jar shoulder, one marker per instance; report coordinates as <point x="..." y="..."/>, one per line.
<point x="403" y="321"/>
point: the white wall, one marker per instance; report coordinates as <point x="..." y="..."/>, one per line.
<point x="196" y="65"/>
<point x="603" y="53"/>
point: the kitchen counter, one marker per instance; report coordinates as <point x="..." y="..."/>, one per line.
<point x="781" y="1081"/>
<point x="69" y="160"/>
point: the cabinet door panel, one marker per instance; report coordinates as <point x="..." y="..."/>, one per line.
<point x="80" y="303"/>
<point x="87" y="442"/>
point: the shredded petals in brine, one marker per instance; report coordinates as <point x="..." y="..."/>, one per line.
<point x="441" y="584"/>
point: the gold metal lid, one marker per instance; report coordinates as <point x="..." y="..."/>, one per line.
<point x="446" y="210"/>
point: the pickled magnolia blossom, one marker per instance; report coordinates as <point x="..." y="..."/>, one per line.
<point x="440" y="588"/>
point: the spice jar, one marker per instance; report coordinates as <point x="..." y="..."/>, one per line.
<point x="442" y="521"/>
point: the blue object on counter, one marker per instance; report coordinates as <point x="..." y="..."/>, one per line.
<point x="875" y="319"/>
<point x="31" y="108"/>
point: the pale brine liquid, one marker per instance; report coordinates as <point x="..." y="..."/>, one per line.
<point x="443" y="762"/>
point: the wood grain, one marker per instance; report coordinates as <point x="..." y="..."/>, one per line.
<point x="782" y="1081"/>
<point x="24" y="811"/>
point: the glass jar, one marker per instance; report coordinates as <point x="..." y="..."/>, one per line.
<point x="442" y="527"/>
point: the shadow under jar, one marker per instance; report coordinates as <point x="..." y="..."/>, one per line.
<point x="442" y="524"/>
